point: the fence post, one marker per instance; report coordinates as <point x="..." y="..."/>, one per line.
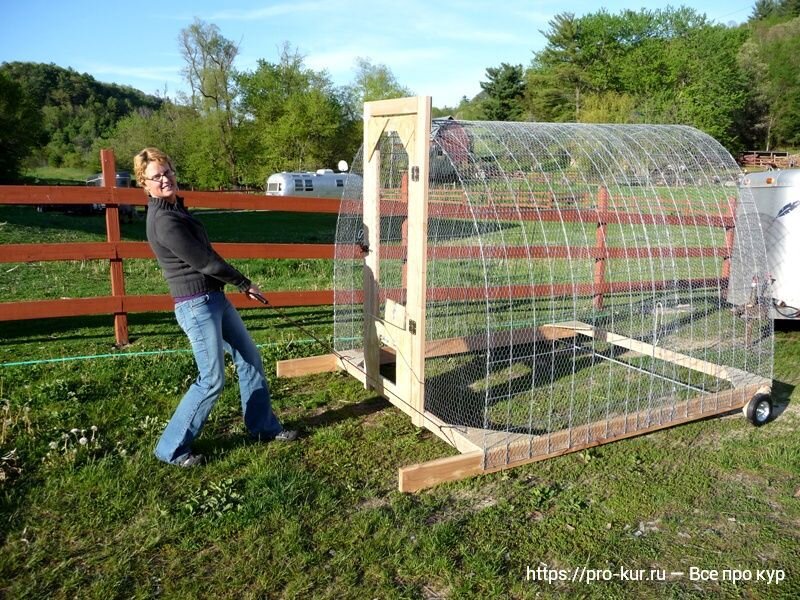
<point x="600" y="246"/>
<point x="113" y="235"/>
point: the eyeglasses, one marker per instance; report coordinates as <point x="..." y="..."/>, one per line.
<point x="168" y="174"/>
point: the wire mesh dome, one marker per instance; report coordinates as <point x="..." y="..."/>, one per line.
<point x="575" y="281"/>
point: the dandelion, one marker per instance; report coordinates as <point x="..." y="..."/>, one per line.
<point x="94" y="427"/>
<point x="83" y="441"/>
<point x="74" y="430"/>
<point x="53" y="445"/>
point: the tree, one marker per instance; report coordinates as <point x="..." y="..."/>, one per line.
<point x="178" y="130"/>
<point x="19" y="128"/>
<point x="504" y="90"/>
<point x="772" y="61"/>
<point x="209" y="71"/>
<point x="775" y="10"/>
<point x="660" y="66"/>
<point x="295" y="118"/>
<point x="374" y="82"/>
<point x="557" y="78"/>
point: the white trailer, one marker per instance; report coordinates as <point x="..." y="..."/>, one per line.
<point x="323" y="183"/>
<point x="776" y="196"/>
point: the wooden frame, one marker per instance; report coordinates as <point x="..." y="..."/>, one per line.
<point x="399" y="334"/>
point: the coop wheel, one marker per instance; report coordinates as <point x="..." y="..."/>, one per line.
<point x="759" y="409"/>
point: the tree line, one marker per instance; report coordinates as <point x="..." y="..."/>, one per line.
<point x="740" y="84"/>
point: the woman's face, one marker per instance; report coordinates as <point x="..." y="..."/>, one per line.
<point x="159" y="179"/>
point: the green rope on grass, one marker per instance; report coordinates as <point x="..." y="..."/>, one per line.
<point x="127" y="354"/>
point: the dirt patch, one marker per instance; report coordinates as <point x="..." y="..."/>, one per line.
<point x="372" y="504"/>
<point x="464" y="502"/>
<point x="433" y="592"/>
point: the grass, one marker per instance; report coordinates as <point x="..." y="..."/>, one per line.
<point x="321" y="518"/>
<point x="57" y="176"/>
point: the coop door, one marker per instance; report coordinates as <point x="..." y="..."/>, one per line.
<point x="396" y="139"/>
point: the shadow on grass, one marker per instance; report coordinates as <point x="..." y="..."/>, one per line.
<point x="781" y="397"/>
<point x="60" y="221"/>
<point x="78" y="328"/>
<point x="216" y="443"/>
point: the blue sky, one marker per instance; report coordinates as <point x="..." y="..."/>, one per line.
<point x="439" y="48"/>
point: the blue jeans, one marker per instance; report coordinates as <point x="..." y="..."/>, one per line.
<point x="214" y="327"/>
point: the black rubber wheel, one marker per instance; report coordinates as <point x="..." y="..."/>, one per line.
<point x="759" y="409"/>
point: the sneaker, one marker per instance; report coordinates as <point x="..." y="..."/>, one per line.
<point x="191" y="460"/>
<point x="287" y="435"/>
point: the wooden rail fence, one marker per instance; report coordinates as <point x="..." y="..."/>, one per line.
<point x="115" y="250"/>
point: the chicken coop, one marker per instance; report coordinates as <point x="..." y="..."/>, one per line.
<point x="525" y="290"/>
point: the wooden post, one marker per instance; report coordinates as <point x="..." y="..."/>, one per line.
<point x="419" y="164"/>
<point x="371" y="237"/>
<point x="600" y="258"/>
<point x="730" y="236"/>
<point x="113" y="235"/>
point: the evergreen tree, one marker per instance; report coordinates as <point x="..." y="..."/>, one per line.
<point x="504" y="91"/>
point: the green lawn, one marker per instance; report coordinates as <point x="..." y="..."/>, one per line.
<point x="321" y="518"/>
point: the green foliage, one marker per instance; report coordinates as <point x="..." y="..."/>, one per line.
<point x="671" y="65"/>
<point x="775" y="10"/>
<point x="374" y="82"/>
<point x="73" y="109"/>
<point x="19" y="128"/>
<point x="296" y="120"/>
<point x="771" y="60"/>
<point x="504" y="90"/>
<point x="661" y="66"/>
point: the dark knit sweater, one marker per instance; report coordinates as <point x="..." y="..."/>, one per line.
<point x="180" y="243"/>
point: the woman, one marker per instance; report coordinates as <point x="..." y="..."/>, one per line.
<point x="196" y="276"/>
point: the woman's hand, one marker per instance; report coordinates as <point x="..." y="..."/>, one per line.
<point x="254" y="291"/>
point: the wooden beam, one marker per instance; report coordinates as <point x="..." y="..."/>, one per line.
<point x="391" y="108"/>
<point x="77" y="194"/>
<point x="113" y="236"/>
<point x="415" y="477"/>
<point x="413" y="366"/>
<point x="53" y="194"/>
<point x="736" y="376"/>
<point x="324" y="363"/>
<point x="472" y="343"/>
<point x="297" y="367"/>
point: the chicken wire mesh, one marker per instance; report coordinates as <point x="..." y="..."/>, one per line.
<point x="578" y="279"/>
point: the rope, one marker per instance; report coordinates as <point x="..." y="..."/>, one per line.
<point x="44" y="361"/>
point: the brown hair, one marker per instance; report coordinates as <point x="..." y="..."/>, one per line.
<point x="144" y="158"/>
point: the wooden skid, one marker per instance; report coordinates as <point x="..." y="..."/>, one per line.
<point x="520" y="448"/>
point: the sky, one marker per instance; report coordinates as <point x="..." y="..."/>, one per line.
<point x="438" y="48"/>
